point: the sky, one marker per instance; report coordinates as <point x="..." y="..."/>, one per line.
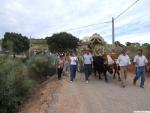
<point x="42" y="18"/>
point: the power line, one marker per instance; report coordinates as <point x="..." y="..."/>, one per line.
<point x="90" y="25"/>
<point x="105" y="22"/>
<point x="126" y="9"/>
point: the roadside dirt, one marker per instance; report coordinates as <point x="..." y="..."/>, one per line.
<point x="40" y="100"/>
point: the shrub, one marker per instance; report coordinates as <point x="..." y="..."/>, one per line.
<point x="2" y="59"/>
<point x="15" y="85"/>
<point x="16" y="82"/>
<point x="40" y="67"/>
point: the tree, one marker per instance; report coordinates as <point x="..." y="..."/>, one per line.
<point x="128" y="43"/>
<point x="146" y="45"/>
<point x="62" y="42"/>
<point x="14" y="42"/>
<point x="117" y="43"/>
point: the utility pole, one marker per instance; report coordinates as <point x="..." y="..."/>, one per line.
<point x="113" y="32"/>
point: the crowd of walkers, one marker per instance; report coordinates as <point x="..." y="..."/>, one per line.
<point x="102" y="64"/>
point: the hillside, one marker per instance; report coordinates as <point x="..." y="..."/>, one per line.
<point x="39" y="44"/>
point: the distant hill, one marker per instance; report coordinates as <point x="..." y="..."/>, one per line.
<point x="38" y="41"/>
<point x="39" y="44"/>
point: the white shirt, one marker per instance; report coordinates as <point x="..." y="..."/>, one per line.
<point x="110" y="60"/>
<point x="140" y="60"/>
<point x="123" y="60"/>
<point x="73" y="60"/>
<point x="88" y="59"/>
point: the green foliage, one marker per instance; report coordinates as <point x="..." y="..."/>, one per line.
<point x="146" y="46"/>
<point x="117" y="47"/>
<point x="2" y="59"/>
<point x="133" y="47"/>
<point x="128" y="43"/>
<point x="40" y="67"/>
<point x="62" y="42"/>
<point x="17" y="82"/>
<point x="15" y="86"/>
<point x="117" y="43"/>
<point x="15" y="42"/>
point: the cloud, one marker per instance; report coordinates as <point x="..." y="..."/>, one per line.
<point x="39" y="19"/>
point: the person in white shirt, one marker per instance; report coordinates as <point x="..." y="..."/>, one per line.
<point x="88" y="60"/>
<point x="73" y="66"/>
<point x="140" y="62"/>
<point x="123" y="61"/>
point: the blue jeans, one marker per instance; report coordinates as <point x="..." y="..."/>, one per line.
<point x="136" y="71"/>
<point x="73" y="69"/>
<point x="87" y="70"/>
<point x="140" y="73"/>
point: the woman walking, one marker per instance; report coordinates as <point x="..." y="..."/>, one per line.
<point x="73" y="66"/>
<point x="60" y="65"/>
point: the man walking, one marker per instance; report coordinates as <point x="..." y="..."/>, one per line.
<point x="140" y="61"/>
<point x="124" y="62"/>
<point x="88" y="60"/>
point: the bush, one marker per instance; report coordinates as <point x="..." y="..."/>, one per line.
<point x="2" y="59"/>
<point x="40" y="67"/>
<point x="16" y="82"/>
<point x="15" y="86"/>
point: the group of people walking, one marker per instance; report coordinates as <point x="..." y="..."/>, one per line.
<point x="70" y="63"/>
<point x="140" y="62"/>
<point x="102" y="63"/>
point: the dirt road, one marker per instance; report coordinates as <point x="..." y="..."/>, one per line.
<point x="99" y="97"/>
